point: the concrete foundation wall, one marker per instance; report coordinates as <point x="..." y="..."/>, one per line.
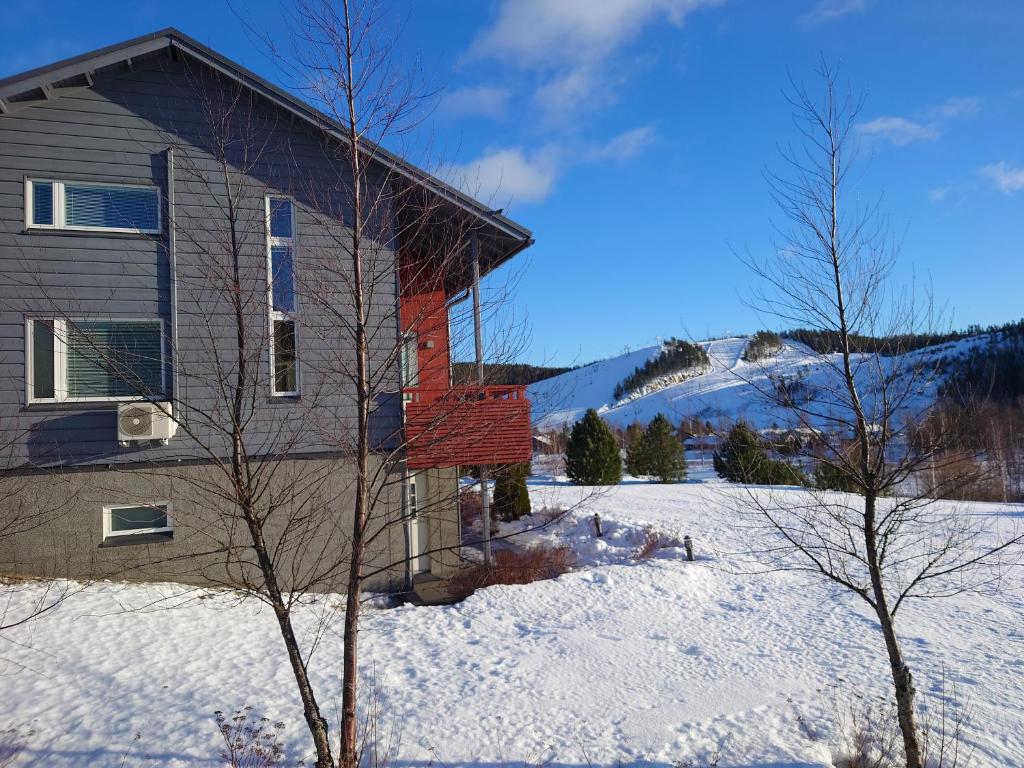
<point x="307" y="504"/>
<point x="444" y="524"/>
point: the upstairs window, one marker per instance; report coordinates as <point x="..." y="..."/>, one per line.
<point x="281" y="298"/>
<point x="93" y="360"/>
<point x="410" y="361"/>
<point x="88" y="207"/>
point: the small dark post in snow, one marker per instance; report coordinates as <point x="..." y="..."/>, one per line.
<point x="597" y="525"/>
<point x="688" y="545"/>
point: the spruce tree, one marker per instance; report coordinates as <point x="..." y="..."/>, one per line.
<point x="636" y="463"/>
<point x="511" y="495"/>
<point x="592" y="455"/>
<point x="662" y="455"/>
<point x="744" y="459"/>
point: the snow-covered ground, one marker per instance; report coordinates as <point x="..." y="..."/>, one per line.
<point x="619" y="662"/>
<point x="732" y="389"/>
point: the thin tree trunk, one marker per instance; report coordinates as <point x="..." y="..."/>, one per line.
<point x="243" y="494"/>
<point x="901" y="677"/>
<point x="349" y="752"/>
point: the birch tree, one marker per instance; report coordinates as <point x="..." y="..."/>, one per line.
<point x="890" y="542"/>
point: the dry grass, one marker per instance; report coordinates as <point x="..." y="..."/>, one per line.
<point x="512" y="567"/>
<point x="249" y="741"/>
<point x="654" y="541"/>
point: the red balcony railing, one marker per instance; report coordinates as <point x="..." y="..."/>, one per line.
<point x="468" y="425"/>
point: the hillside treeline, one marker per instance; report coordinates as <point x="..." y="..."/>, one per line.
<point x="505" y="373"/>
<point x="824" y="342"/>
<point x="676" y="356"/>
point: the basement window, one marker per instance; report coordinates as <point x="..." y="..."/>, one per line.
<point x="120" y="520"/>
<point x="92" y="207"/>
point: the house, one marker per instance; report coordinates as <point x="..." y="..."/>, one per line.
<point x="136" y="182"/>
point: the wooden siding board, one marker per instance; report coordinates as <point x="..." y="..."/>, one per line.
<point x="119" y="131"/>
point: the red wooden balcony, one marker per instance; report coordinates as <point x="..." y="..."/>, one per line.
<point x="467" y="425"/>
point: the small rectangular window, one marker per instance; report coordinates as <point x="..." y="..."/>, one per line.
<point x="281" y="217"/>
<point x="281" y="296"/>
<point x="283" y="278"/>
<point x="42" y="203"/>
<point x="83" y="360"/>
<point x="410" y="361"/>
<point x="285" y="380"/>
<point x="85" y="206"/>
<point x="43" y="363"/>
<point x="135" y="519"/>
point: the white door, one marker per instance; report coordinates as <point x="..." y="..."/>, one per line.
<point x="419" y="536"/>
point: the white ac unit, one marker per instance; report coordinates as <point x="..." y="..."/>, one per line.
<point x="145" y="421"/>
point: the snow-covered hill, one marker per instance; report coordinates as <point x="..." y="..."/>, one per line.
<point x="732" y="389"/>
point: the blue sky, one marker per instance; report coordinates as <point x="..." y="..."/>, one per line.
<point x="631" y="136"/>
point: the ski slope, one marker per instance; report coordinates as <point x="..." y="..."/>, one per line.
<point x="733" y="389"/>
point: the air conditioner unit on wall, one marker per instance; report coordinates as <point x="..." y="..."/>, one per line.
<point x="137" y="422"/>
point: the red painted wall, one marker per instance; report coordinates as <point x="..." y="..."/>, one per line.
<point x="423" y="311"/>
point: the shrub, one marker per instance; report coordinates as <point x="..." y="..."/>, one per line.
<point x="511" y="567"/>
<point x="592" y="455"/>
<point x="657" y="453"/>
<point x="654" y="541"/>
<point x="249" y="741"/>
<point x="742" y="458"/>
<point x="511" y="495"/>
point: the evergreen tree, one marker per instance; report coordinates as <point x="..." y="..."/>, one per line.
<point x="637" y="463"/>
<point x="592" y="455"/>
<point x="511" y="495"/>
<point x="659" y="453"/>
<point x="743" y="458"/>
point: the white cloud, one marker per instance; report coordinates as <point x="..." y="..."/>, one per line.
<point x="898" y="130"/>
<point x="565" y="93"/>
<point x="830" y="10"/>
<point x="512" y="175"/>
<point x="625" y="146"/>
<point x="902" y="130"/>
<point x="1007" y="178"/>
<point x="938" y="194"/>
<point x="545" y="33"/>
<point x="573" y="44"/>
<point x="507" y="175"/>
<point x="958" y="107"/>
<point x="482" y="100"/>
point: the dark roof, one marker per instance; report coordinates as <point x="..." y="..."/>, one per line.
<point x="77" y="71"/>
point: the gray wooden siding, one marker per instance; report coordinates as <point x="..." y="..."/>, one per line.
<point x="119" y="131"/>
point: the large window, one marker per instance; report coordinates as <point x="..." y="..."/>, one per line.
<point x="281" y="296"/>
<point x="87" y="206"/>
<point x="84" y="360"/>
<point x="135" y="519"/>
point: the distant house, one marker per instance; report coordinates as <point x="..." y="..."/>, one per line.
<point x="101" y="258"/>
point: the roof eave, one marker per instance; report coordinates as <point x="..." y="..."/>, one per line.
<point x="43" y="77"/>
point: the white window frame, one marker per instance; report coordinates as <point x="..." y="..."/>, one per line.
<point x="108" y="510"/>
<point x="60" y="214"/>
<point x="60" y="360"/>
<point x="274" y="315"/>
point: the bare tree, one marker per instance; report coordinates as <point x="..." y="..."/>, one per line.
<point x="889" y="542"/>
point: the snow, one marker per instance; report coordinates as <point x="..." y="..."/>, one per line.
<point x="732" y="389"/>
<point x="639" y="663"/>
